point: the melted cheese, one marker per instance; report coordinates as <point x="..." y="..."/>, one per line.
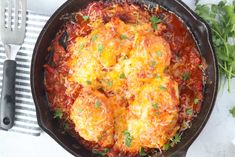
<point x="93" y="117"/>
<point x="127" y="61"/>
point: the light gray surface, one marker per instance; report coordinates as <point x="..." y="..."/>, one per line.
<point x="214" y="141"/>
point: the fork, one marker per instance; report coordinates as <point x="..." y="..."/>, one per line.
<point x="12" y="31"/>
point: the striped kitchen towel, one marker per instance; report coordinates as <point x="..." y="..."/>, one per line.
<point x="25" y="113"/>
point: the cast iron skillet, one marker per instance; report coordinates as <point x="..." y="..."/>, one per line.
<point x="201" y="33"/>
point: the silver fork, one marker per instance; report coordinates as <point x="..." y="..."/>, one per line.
<point x="12" y="32"/>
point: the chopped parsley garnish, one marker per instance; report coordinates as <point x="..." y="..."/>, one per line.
<point x="58" y="113"/>
<point x="97" y="104"/>
<point x="127" y="138"/>
<point x="123" y="36"/>
<point x="176" y="139"/>
<point x="66" y="126"/>
<point x="186" y="76"/>
<point x="232" y="111"/>
<point x="162" y="87"/>
<point x="122" y="76"/>
<point x="94" y="37"/>
<point x="189" y="111"/>
<point x="79" y="110"/>
<point x="154" y="21"/>
<point x="85" y="17"/>
<point x="158" y="77"/>
<point x="196" y="100"/>
<point x="100" y="48"/>
<point x="110" y="83"/>
<point x="88" y="82"/>
<point x="142" y="152"/>
<point x="101" y="153"/>
<point x="155" y="106"/>
<point x="153" y="63"/>
<point x="159" y="53"/>
<point x="166" y="146"/>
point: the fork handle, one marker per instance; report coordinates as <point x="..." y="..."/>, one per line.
<point x="7" y="106"/>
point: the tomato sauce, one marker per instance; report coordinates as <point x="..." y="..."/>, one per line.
<point x="186" y="66"/>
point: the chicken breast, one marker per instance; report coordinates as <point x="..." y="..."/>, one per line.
<point x="93" y="117"/>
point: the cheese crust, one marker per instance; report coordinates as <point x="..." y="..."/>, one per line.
<point x="141" y="58"/>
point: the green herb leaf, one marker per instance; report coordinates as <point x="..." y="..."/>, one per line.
<point x="186" y="76"/>
<point x="154" y="21"/>
<point x="221" y="18"/>
<point x="196" y="100"/>
<point x="85" y="17"/>
<point x="101" y="153"/>
<point x="122" y="76"/>
<point x="100" y="48"/>
<point x="232" y="111"/>
<point x="97" y="104"/>
<point x="189" y="111"/>
<point x="123" y="36"/>
<point x="127" y="138"/>
<point x="166" y="146"/>
<point x="80" y="110"/>
<point x="142" y="152"/>
<point x="66" y="126"/>
<point x="158" y="77"/>
<point x="162" y="87"/>
<point x="155" y="106"/>
<point x="58" y="113"/>
<point x="94" y="37"/>
<point x="176" y="139"/>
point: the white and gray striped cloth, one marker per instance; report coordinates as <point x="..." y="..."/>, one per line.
<point x="25" y="113"/>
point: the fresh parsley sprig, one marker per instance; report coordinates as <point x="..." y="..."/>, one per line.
<point x="101" y="153"/>
<point x="176" y="139"/>
<point x="58" y="113"/>
<point x="221" y="18"/>
<point x="127" y="138"/>
<point x="154" y="21"/>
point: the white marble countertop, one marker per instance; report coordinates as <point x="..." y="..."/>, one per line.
<point x="214" y="141"/>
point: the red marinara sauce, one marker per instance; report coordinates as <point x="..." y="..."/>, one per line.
<point x="187" y="66"/>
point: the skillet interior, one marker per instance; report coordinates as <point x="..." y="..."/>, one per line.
<point x="196" y="25"/>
